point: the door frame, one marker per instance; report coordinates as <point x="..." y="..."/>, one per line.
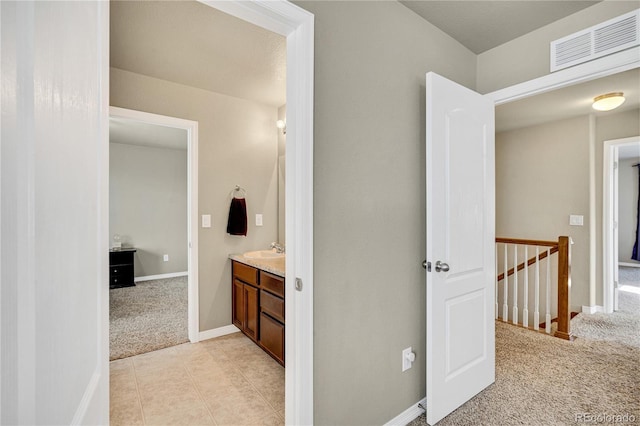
<point x="598" y="68"/>
<point x="297" y="25"/>
<point x="192" y="202"/>
<point x="609" y="208"/>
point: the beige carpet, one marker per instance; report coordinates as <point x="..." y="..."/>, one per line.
<point x="542" y="380"/>
<point x="150" y="316"/>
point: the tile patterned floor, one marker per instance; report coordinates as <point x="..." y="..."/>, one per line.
<point x="222" y="381"/>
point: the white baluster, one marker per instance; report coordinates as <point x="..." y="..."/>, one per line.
<point x="525" y="310"/>
<point x="495" y="310"/>
<point x="505" y="295"/>
<point x="515" y="284"/>
<point x="547" y="323"/>
<point x="536" y="302"/>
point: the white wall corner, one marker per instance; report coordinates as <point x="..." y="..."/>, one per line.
<point x="408" y="415"/>
<point x="217" y="332"/>
<point x="592" y="309"/>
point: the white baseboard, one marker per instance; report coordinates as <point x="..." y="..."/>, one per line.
<point x="217" y="332"/>
<point x="592" y="309"/>
<point x="629" y="264"/>
<point x="408" y="415"/>
<point x="160" y="276"/>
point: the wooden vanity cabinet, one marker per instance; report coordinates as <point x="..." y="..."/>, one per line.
<point x="245" y="308"/>
<point x="258" y="307"/>
<point x="272" y="315"/>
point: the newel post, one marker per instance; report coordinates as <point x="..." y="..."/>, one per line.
<point x="564" y="289"/>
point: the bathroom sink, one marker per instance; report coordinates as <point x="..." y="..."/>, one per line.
<point x="263" y="254"/>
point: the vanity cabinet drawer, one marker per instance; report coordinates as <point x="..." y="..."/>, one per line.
<point x="245" y="273"/>
<point x="272" y="337"/>
<point x="272" y="283"/>
<point x="272" y="305"/>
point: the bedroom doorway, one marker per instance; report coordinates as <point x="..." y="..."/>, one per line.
<point x="618" y="213"/>
<point x="170" y="146"/>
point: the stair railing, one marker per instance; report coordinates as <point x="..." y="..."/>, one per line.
<point x="516" y="288"/>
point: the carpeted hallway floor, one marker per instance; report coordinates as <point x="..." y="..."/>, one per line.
<point x="150" y="316"/>
<point x="542" y="380"/>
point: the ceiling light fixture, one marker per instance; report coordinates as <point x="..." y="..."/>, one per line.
<point x="608" y="102"/>
<point x="282" y="125"/>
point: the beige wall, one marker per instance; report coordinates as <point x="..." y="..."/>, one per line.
<point x="237" y="145"/>
<point x="542" y="176"/>
<point x="527" y="57"/>
<point x="369" y="203"/>
<point x="148" y="205"/>
<point x="628" y="208"/>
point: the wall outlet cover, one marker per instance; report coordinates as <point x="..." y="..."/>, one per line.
<point x="576" y="220"/>
<point x="407" y="358"/>
<point x="165" y="257"/>
<point x="258" y="219"/>
<point x="206" y="221"/>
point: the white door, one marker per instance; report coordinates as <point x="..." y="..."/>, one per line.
<point x="460" y="245"/>
<point x="54" y="248"/>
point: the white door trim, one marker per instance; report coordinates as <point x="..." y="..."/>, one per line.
<point x="602" y="67"/>
<point x="297" y="25"/>
<point x="192" y="204"/>
<point x="609" y="196"/>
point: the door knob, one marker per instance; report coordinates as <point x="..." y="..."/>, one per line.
<point x="440" y="266"/>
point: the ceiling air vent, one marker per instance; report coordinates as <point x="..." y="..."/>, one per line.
<point x="600" y="40"/>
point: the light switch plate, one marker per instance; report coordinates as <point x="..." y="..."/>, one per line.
<point x="258" y="219"/>
<point x="576" y="220"/>
<point x="206" y="221"/>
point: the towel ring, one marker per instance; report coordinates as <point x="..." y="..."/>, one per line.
<point x="238" y="188"/>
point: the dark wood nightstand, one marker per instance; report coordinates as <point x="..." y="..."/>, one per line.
<point x="121" y="268"/>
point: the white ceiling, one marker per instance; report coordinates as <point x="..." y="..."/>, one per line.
<point x="193" y="44"/>
<point x="569" y="102"/>
<point x="136" y="133"/>
<point x="483" y="25"/>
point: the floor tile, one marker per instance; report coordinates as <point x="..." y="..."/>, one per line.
<point x="225" y="381"/>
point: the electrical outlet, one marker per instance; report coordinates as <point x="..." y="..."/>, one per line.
<point x="258" y="219"/>
<point x="165" y="257"/>
<point x="408" y="356"/>
<point x="206" y="221"/>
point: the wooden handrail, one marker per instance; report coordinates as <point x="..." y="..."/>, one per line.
<point x="563" y="248"/>
<point x="530" y="262"/>
<point x="527" y="242"/>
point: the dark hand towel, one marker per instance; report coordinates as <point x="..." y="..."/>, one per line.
<point x="237" y="224"/>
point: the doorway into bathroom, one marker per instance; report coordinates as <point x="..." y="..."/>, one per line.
<point x="157" y="66"/>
